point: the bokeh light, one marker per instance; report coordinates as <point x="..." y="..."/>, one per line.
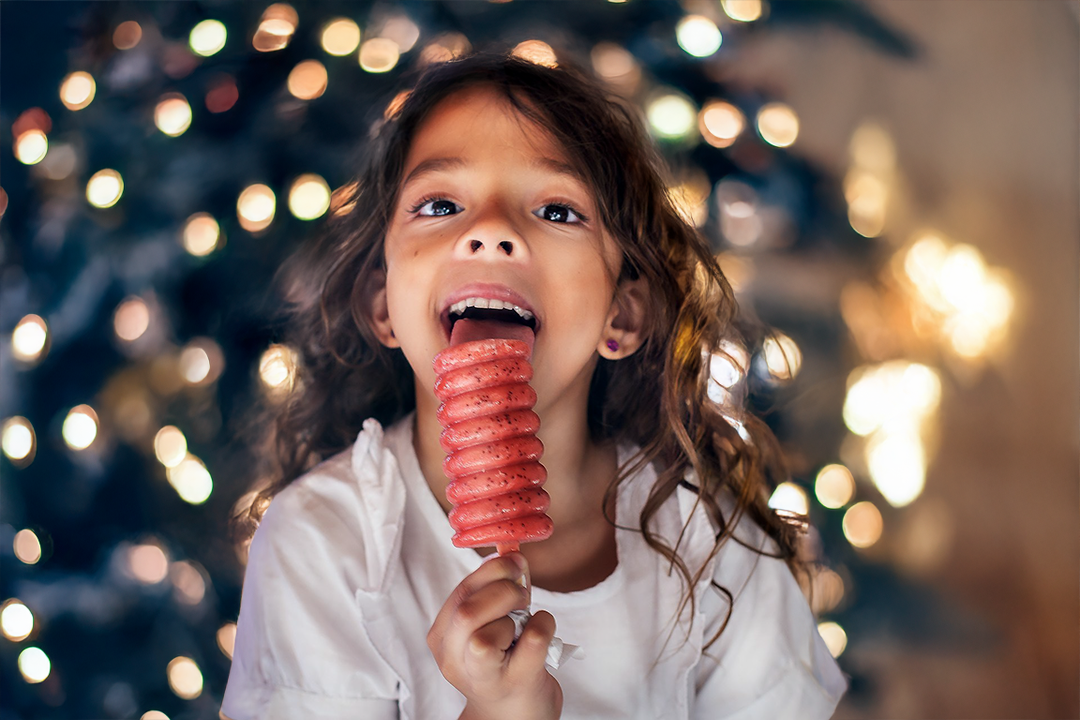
<point x="148" y="563"/>
<point x="185" y="678"/>
<point x="188" y="582"/>
<point x="778" y="124"/>
<point x="782" y="356"/>
<point x="867" y="197"/>
<point x="720" y="123"/>
<point x="671" y="116"/>
<point x="131" y="319"/>
<point x="16" y="621"/>
<point x="307" y="80"/>
<point x="208" y="37"/>
<point x="309" y="197"/>
<point x="834" y="636"/>
<point x="277" y="369"/>
<point x="862" y="524"/>
<point x="104" y="188"/>
<point x="34" y="665"/>
<point x="222" y="95"/>
<point x="834" y="486"/>
<point x="31" y="146"/>
<point x="191" y="480"/>
<point x="18" y="440"/>
<point x="742" y="10"/>
<point x="153" y="715"/>
<point x="379" y="55"/>
<point x="77" y="90"/>
<point x="170" y="446"/>
<point x="59" y="162"/>
<point x="737" y="203"/>
<point x="789" y="498"/>
<point x="226" y="639"/>
<point x="895" y="394"/>
<point x="727" y="368"/>
<point x="537" y="52"/>
<point x="201" y="361"/>
<point x="897" y="465"/>
<point x="255" y="207"/>
<point x="276" y="28"/>
<point x="127" y="35"/>
<point x="444" y="48"/>
<point x="172" y="114"/>
<point x="29" y="338"/>
<point x="828" y="590"/>
<point x="340" y="37"/>
<point x="698" y="35"/>
<point x="201" y="234"/>
<point x="27" y="546"/>
<point x="80" y="427"/>
<point x="403" y="31"/>
<point x="616" y="65"/>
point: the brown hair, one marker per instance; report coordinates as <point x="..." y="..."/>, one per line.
<point x="345" y="375"/>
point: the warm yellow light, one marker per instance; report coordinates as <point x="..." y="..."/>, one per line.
<point x="307" y="80"/>
<point x="59" y="163"/>
<point x="170" y="446"/>
<point x="893" y="394"/>
<point x="834" y="636"/>
<point x="31" y="146"/>
<point x="18" y="440"/>
<point x="778" y="124"/>
<point x="277" y="368"/>
<point x="828" y="590"/>
<point x="862" y="524"/>
<point x="153" y="715"/>
<point x="276" y="28"/>
<point x="867" y="196"/>
<point x="340" y="37"/>
<point x="77" y="90"/>
<point x="834" y="486"/>
<point x="720" y="123"/>
<point x="131" y="319"/>
<point x="148" y="563"/>
<point x="173" y="114"/>
<point x="698" y="35"/>
<point x="402" y="31"/>
<point x="309" y="197"/>
<point x="226" y="638"/>
<point x="80" y="427"/>
<point x="191" y="480"/>
<point x="612" y="62"/>
<point x="444" y="48"/>
<point x="29" y="338"/>
<point x="16" y="621"/>
<point x="671" y="116"/>
<point x="185" y="678"/>
<point x="27" y="546"/>
<point x="208" y="37"/>
<point x="201" y="234"/>
<point x="379" y="55"/>
<point x="34" y="665"/>
<point x="255" y="208"/>
<point x="104" y="188"/>
<point x="127" y="35"/>
<point x="194" y="364"/>
<point x="789" y="498"/>
<point x="742" y="10"/>
<point x="782" y="356"/>
<point x="897" y="465"/>
<point x="189" y="583"/>
<point x="537" y="52"/>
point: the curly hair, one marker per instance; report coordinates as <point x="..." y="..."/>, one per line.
<point x="345" y="375"/>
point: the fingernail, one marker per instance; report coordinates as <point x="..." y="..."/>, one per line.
<point x="523" y="564"/>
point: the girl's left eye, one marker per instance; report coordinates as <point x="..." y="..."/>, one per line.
<point x="435" y="207"/>
<point x="560" y="213"/>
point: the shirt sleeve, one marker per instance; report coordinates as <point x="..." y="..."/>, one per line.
<point x="770" y="662"/>
<point x="301" y="648"/>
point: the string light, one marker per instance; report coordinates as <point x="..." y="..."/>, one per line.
<point x="29" y="338"/>
<point x="340" y="37"/>
<point x="862" y="524"/>
<point x="18" y="441"/>
<point x="104" y="188"/>
<point x="255" y="208"/>
<point x="201" y="361"/>
<point x="403" y="31"/>
<point x="276" y="28"/>
<point x="208" y="37"/>
<point x="80" y="427"/>
<point x="191" y="480"/>
<point x="698" y="35"/>
<point x="720" y="123"/>
<point x="34" y="665"/>
<point x="309" y="197"/>
<point x="170" y="446"/>
<point x="148" y="563"/>
<point x="379" y="55"/>
<point x="742" y="10"/>
<point x="16" y="620"/>
<point x="172" y="114"/>
<point x="185" y="678"/>
<point x="778" y="124"/>
<point x="537" y="52"/>
<point x="153" y="715"/>
<point x="277" y="369"/>
<point x="834" y="486"/>
<point x="31" y="146"/>
<point x="77" y="90"/>
<point x="671" y="116"/>
<point x="131" y="319"/>
<point x="27" y="547"/>
<point x="444" y="48"/>
<point x="307" y="80"/>
<point x="127" y="35"/>
<point x="201" y="234"/>
<point x="834" y="636"/>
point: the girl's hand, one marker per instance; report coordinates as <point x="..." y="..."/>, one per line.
<point x="471" y="641"/>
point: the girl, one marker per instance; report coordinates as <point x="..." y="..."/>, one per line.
<point x="497" y="179"/>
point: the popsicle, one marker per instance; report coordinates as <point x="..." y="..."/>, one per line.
<point x="489" y="431"/>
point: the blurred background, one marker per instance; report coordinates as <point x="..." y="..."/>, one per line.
<point x="891" y="185"/>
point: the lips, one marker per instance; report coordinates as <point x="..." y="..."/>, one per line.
<point x="492" y="291"/>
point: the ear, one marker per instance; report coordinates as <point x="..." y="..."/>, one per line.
<point x="626" y="320"/>
<point x="379" y="312"/>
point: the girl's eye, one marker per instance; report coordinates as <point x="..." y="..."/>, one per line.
<point x="560" y="213"/>
<point x="435" y="207"/>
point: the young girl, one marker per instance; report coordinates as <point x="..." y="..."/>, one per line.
<point x="498" y="179"/>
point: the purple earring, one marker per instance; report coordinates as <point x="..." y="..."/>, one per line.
<point x="612" y="345"/>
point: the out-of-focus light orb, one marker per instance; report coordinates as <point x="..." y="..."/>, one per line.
<point x="867" y="196"/>
<point x="104" y="188"/>
<point x="131" y="319"/>
<point x="671" y="116"/>
<point x="77" y="90"/>
<point x="340" y="37"/>
<point x="862" y="524"/>
<point x="34" y="665"/>
<point x="402" y="31"/>
<point x="18" y="440"/>
<point x="153" y="715"/>
<point x="728" y="367"/>
<point x="828" y="590"/>
<point x="897" y="465"/>
<point x="537" y="52"/>
<point x="742" y="10"/>
<point x="612" y="62"/>
<point x="185" y="678"/>
<point x="698" y="35"/>
<point x="307" y="80"/>
<point x="173" y="114"/>
<point x="16" y="621"/>
<point x="789" y="498"/>
<point x="201" y="234"/>
<point x="189" y="583"/>
<point x="29" y="337"/>
<point x="444" y="48"/>
<point x="191" y="480"/>
<point x="834" y="636"/>
<point x="834" y="486"/>
<point x="127" y="35"/>
<point x="276" y="28"/>
<point x="379" y="55"/>
<point x="226" y="638"/>
<point x="194" y="365"/>
<point x="31" y="146"/>
<point x="720" y="123"/>
<point x="59" y="162"/>
<point x="778" y="124"/>
<point x="872" y="148"/>
<point x="3" y="202"/>
<point x="148" y="563"/>
<point x="894" y="394"/>
<point x="27" y="546"/>
<point x="782" y="356"/>
<point x="255" y="207"/>
<point x="309" y="197"/>
<point x="170" y="446"/>
<point x="222" y="95"/>
<point x="740" y="221"/>
<point x="208" y="37"/>
<point x="277" y="368"/>
<point x="80" y="427"/>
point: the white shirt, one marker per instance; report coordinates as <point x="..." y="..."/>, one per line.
<point x="353" y="561"/>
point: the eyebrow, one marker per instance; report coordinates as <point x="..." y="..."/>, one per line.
<point x="437" y="164"/>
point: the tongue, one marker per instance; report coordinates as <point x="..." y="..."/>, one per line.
<point x="467" y="330"/>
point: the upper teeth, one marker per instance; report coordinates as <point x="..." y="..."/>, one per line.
<point x="480" y="302"/>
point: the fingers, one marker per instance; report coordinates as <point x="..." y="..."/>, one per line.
<point x="511" y="567"/>
<point x="485" y="654"/>
<point x="530" y="652"/>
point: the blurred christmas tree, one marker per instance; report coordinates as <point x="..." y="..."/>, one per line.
<point x="165" y="158"/>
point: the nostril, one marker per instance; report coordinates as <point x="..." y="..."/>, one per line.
<point x="506" y="247"/>
<point x="476" y="245"/>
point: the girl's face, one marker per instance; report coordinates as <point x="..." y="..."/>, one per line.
<point x="489" y="207"/>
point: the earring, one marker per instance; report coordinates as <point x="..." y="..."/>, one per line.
<point x="612" y="345"/>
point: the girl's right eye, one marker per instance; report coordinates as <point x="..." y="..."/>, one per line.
<point x="435" y="207"/>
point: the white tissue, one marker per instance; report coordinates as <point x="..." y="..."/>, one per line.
<point x="558" y="651"/>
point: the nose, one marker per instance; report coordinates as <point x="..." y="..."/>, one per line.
<point x="493" y="236"/>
